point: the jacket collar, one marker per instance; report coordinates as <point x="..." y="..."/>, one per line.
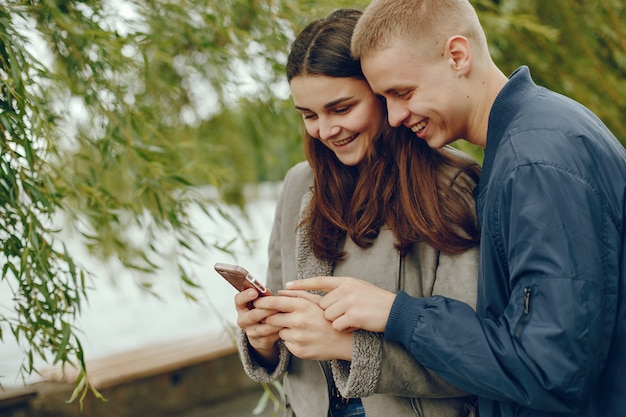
<point x="506" y="106"/>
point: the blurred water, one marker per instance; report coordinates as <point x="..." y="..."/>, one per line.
<point x="120" y="316"/>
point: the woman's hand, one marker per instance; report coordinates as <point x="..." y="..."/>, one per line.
<point x="303" y="328"/>
<point x="262" y="336"/>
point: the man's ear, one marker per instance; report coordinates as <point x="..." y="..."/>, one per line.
<point x="459" y="53"/>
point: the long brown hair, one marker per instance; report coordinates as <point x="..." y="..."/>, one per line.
<point x="403" y="183"/>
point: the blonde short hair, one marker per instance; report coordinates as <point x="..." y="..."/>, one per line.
<point x="427" y="23"/>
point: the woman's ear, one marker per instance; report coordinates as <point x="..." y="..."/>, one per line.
<point x="459" y="53"/>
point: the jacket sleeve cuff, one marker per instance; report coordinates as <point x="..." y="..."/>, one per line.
<point x="403" y="319"/>
<point x="253" y="369"/>
<point x="359" y="377"/>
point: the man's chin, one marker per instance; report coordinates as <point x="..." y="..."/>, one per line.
<point x="434" y="143"/>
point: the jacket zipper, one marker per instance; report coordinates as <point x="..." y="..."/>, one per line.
<point x="400" y="277"/>
<point x="526" y="317"/>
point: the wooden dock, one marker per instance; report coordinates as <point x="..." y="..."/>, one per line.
<point x="197" y="377"/>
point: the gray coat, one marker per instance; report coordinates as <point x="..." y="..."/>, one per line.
<point x="386" y="377"/>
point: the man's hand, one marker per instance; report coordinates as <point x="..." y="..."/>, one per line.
<point x="350" y="303"/>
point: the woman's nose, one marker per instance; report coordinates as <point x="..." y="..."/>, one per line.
<point x="327" y="129"/>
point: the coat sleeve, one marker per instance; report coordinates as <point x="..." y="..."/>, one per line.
<point x="541" y="337"/>
<point x="253" y="369"/>
<point x="281" y="262"/>
<point x="274" y="281"/>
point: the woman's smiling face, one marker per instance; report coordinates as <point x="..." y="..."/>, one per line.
<point x="342" y="113"/>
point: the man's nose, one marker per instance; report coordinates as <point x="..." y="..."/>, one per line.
<point x="396" y="113"/>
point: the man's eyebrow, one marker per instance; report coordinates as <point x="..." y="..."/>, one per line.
<point x="393" y="90"/>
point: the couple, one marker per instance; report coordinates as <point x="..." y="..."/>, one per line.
<point x="549" y="333"/>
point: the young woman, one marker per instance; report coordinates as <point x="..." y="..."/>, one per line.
<point x="371" y="202"/>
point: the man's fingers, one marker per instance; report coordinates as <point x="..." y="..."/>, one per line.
<point x="342" y="324"/>
<point x="318" y="283"/>
<point x="301" y="294"/>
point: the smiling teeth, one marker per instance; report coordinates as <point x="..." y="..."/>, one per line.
<point x="344" y="141"/>
<point x="419" y="127"/>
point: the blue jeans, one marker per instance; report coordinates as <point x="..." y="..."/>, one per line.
<point x="354" y="408"/>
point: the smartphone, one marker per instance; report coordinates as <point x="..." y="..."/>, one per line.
<point x="240" y="278"/>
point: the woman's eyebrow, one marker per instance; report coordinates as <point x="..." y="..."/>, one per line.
<point x="327" y="105"/>
<point x="335" y="102"/>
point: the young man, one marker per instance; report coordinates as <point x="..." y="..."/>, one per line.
<point x="549" y="334"/>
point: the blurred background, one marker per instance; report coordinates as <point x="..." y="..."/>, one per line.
<point x="143" y="141"/>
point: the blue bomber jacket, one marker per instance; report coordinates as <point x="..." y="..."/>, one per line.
<point x="549" y="334"/>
